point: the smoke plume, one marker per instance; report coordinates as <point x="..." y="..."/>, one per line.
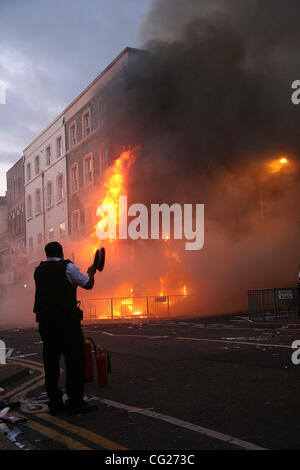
<point x="211" y="107"/>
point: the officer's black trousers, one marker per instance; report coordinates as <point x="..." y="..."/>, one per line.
<point x="63" y="338"/>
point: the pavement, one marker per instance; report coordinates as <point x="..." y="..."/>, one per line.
<point x="201" y="383"/>
<point x="9" y="374"/>
<point x="292" y="323"/>
<point x="6" y="444"/>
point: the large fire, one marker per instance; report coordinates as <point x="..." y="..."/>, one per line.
<point x="128" y="301"/>
<point x="114" y="187"/>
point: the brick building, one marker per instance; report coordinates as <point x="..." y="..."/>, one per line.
<point x="16" y="206"/>
<point x="13" y="259"/>
<point x="91" y="142"/>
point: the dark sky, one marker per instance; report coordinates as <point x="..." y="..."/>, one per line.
<point x="49" y="52"/>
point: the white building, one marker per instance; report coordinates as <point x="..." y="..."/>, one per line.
<point x="46" y="189"/>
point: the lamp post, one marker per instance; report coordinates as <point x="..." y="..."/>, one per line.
<point x="276" y="166"/>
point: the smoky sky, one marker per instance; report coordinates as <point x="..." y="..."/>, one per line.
<point x="212" y="98"/>
<point x="213" y="94"/>
<point x="49" y="52"/>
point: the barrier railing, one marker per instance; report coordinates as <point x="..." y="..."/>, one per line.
<point x="276" y="302"/>
<point x="138" y="307"/>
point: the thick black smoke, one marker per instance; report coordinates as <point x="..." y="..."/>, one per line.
<point x="211" y="99"/>
<point x="211" y="106"/>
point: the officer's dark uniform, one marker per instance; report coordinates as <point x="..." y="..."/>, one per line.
<point x="60" y="330"/>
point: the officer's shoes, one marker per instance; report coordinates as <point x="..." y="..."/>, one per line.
<point x="83" y="408"/>
<point x="56" y="409"/>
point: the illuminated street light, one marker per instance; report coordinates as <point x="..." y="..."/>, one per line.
<point x="277" y="164"/>
<point x="273" y="166"/>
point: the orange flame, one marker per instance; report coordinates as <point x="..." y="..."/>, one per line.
<point x="115" y="186"/>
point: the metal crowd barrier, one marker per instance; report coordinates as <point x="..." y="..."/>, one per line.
<point x="138" y="307"/>
<point x="273" y="303"/>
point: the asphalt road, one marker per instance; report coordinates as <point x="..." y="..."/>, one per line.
<point x="175" y="385"/>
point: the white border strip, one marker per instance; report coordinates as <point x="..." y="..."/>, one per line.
<point x="185" y="424"/>
<point x="236" y="342"/>
<point x="131" y="336"/>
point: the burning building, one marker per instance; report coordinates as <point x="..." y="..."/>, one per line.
<point x="92" y="143"/>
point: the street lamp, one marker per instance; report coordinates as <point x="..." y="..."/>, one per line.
<point x="274" y="167"/>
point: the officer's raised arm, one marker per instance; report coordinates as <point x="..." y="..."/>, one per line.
<point x="91" y="273"/>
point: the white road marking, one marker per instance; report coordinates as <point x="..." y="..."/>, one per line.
<point x="23" y="355"/>
<point x="33" y="405"/>
<point x="9" y="352"/>
<point x="185" y="424"/>
<point x="134" y="336"/>
<point x="236" y="342"/>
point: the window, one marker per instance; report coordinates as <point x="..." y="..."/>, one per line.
<point x="37" y="164"/>
<point x="105" y="161"/>
<point x="48" y="155"/>
<point x="38" y="201"/>
<point x="59" y="188"/>
<point x="73" y="135"/>
<point x="62" y="230"/>
<point x="58" y="147"/>
<point x="51" y="233"/>
<point x="49" y="201"/>
<point x="29" y="207"/>
<point x="74" y="178"/>
<point x="88" y="170"/>
<point x="75" y="220"/>
<point x="86" y="123"/>
<point x="39" y="239"/>
<point x="28" y="172"/>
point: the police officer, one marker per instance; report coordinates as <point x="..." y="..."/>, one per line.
<point x="58" y="316"/>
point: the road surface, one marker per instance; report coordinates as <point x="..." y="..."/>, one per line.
<point x="217" y="383"/>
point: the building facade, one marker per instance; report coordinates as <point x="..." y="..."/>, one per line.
<point x="45" y="189"/>
<point x="4" y="245"/>
<point x="52" y="190"/>
<point x="16" y="207"/>
<point x="91" y="145"/>
<point x="14" y="259"/>
<point x="3" y="215"/>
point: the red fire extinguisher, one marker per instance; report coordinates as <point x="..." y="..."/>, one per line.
<point x="88" y="357"/>
<point x="103" y="367"/>
<point x="103" y="364"/>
